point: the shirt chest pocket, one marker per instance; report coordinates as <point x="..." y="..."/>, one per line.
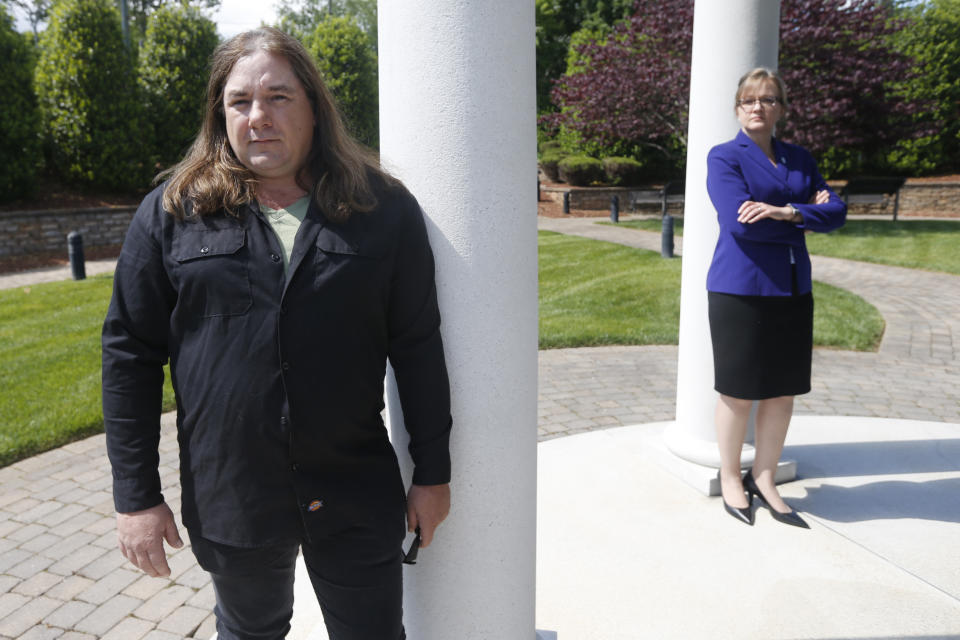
<point x="341" y="261"/>
<point x="213" y="271"/>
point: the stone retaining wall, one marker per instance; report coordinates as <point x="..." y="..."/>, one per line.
<point x="929" y="199"/>
<point x="26" y="232"/>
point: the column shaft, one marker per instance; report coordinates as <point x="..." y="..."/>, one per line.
<point x="729" y="39"/>
<point x="457" y="125"/>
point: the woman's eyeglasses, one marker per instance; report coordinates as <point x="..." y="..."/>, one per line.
<point x="766" y="102"/>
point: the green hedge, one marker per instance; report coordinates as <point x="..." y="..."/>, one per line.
<point x="173" y="66"/>
<point x="19" y="118"/>
<point x="622" y="171"/>
<point x="549" y="162"/>
<point x="580" y="171"/>
<point x="88" y="98"/>
<point x="349" y="68"/>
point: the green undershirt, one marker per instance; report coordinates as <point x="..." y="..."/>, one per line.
<point x="285" y="223"/>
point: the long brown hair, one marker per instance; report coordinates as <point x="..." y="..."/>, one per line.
<point x="212" y="178"/>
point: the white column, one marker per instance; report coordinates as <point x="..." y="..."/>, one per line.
<point x="458" y="126"/>
<point x="729" y="39"/>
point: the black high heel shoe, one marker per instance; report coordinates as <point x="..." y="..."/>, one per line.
<point x="792" y="518"/>
<point x="743" y="514"/>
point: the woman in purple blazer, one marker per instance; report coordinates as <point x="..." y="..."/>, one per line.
<point x="767" y="194"/>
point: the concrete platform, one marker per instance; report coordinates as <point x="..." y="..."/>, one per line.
<point x="626" y="550"/>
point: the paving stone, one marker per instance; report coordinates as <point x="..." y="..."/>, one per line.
<point x="207" y="628"/>
<point x="69" y="587"/>
<point x="38" y="584"/>
<point x="77" y="522"/>
<point x="30" y="567"/>
<point x="73" y="635"/>
<point x="107" y="561"/>
<point x="163" y="603"/>
<point x="77" y="559"/>
<point x="183" y="621"/>
<point x="107" y="615"/>
<point x="7" y="583"/>
<point x="38" y="511"/>
<point x="204" y="598"/>
<point x="69" y="613"/>
<point x="42" y="632"/>
<point x="69" y="545"/>
<point x="130" y="629"/>
<point x="108" y="586"/>
<point x="28" y="615"/>
<point x="146" y="587"/>
<point x="162" y="635"/>
<point x="12" y="558"/>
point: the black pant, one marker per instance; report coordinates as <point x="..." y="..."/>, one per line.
<point x="358" y="581"/>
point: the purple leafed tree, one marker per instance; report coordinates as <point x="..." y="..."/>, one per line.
<point x="635" y="88"/>
<point x="835" y="57"/>
<point x="841" y="70"/>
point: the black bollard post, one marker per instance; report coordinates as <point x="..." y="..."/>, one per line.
<point x="538" y="189"/>
<point x="566" y="202"/>
<point x="666" y="237"/>
<point x="75" y="253"/>
<point x="615" y="208"/>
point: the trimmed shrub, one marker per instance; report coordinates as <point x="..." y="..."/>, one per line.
<point x="581" y="171"/>
<point x="549" y="161"/>
<point x="19" y="118"/>
<point x="349" y="68"/>
<point x="550" y="145"/>
<point x="88" y="98"/>
<point x="622" y="171"/>
<point x="173" y="66"/>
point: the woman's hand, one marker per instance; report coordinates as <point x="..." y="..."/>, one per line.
<point x="820" y="197"/>
<point x="750" y="212"/>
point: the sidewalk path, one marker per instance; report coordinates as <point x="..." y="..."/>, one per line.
<point x="915" y="375"/>
<point x="62" y="577"/>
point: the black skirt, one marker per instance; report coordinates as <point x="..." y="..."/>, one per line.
<point x="762" y="345"/>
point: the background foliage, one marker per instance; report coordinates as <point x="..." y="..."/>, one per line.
<point x="349" y="68"/>
<point x="88" y="98"/>
<point x="933" y="40"/>
<point x="19" y="118"/>
<point x="172" y="75"/>
<point x="854" y="83"/>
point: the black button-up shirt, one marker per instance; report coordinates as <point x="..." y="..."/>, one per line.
<point x="278" y="380"/>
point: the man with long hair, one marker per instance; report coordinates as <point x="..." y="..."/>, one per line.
<point x="278" y="268"/>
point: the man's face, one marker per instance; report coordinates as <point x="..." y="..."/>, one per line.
<point x="269" y="118"/>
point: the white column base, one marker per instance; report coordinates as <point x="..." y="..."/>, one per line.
<point x="681" y="454"/>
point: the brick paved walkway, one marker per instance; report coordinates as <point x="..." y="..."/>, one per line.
<point x="62" y="577"/>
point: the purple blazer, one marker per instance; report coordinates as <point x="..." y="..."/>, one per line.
<point x="754" y="259"/>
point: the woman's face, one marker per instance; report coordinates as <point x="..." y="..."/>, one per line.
<point x="759" y="107"/>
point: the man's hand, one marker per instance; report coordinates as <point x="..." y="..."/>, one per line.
<point x="140" y="535"/>
<point x="427" y="506"/>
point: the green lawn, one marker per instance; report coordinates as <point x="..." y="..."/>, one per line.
<point x="595" y="293"/>
<point x="919" y="244"/>
<point x="591" y="293"/>
<point x="50" y="365"/>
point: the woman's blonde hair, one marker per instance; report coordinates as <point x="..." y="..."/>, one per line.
<point x="756" y="76"/>
<point x="211" y="177"/>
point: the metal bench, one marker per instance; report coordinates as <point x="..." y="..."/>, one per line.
<point x="671" y="192"/>
<point x="873" y="190"/>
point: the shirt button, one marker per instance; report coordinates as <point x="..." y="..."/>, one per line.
<point x="295" y="466"/>
<point x="275" y="257"/>
<point x="285" y="365"/>
<point x="204" y="249"/>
